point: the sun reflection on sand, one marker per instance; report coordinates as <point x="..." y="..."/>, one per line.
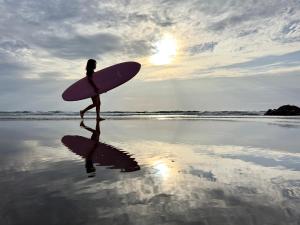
<point x="162" y="169"/>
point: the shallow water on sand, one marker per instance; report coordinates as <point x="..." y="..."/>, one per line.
<point x="182" y="172"/>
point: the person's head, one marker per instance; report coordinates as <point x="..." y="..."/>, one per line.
<point x="91" y="64"/>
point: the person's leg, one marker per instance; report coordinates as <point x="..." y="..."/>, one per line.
<point x="82" y="112"/>
<point x="97" y="103"/>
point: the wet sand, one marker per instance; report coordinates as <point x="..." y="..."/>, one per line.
<point x="184" y="172"/>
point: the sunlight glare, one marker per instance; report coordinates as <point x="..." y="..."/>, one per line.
<point x="165" y="50"/>
<point x="162" y="169"/>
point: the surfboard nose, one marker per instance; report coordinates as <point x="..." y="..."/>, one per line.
<point x="135" y="66"/>
<point x="138" y="66"/>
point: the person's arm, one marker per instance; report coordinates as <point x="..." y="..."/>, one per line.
<point x="96" y="89"/>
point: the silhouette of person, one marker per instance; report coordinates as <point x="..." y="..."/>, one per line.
<point x="96" y="152"/>
<point x="90" y="67"/>
<point x="89" y="164"/>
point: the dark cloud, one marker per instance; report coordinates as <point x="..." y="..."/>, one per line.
<point x="38" y="12"/>
<point x="162" y="19"/>
<point x="291" y="27"/>
<point x="78" y="46"/>
<point x="204" y="47"/>
<point x="138" y="17"/>
<point x="93" y="46"/>
<point x="244" y="33"/>
<point x="30" y="17"/>
<point x="290" y="32"/>
<point x="13" y="45"/>
<point x="47" y="13"/>
<point x="138" y="48"/>
<point x="234" y="20"/>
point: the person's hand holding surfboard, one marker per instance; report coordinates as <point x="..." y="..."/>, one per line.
<point x="96" y="89"/>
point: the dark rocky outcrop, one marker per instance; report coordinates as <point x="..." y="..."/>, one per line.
<point x="285" y="110"/>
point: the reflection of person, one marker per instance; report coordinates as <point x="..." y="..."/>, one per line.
<point x="90" y="169"/>
<point x="99" y="153"/>
<point x="90" y="67"/>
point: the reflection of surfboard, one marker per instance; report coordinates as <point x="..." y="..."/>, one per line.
<point x="105" y="79"/>
<point x="100" y="153"/>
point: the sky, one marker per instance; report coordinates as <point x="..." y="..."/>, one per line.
<point x="195" y="54"/>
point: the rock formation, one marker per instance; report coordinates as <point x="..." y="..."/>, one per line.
<point x="285" y="110"/>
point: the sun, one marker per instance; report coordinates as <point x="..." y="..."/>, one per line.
<point x="164" y="50"/>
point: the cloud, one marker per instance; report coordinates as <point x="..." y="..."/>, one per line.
<point x="54" y="75"/>
<point x="204" y="47"/>
<point x="39" y="12"/>
<point x="292" y="58"/>
<point x="290" y="32"/>
<point x="10" y="66"/>
<point x="138" y="48"/>
<point x="291" y="27"/>
<point x="247" y="32"/>
<point x="13" y="45"/>
<point x="12" y="69"/>
<point x="163" y="20"/>
<point x="235" y="13"/>
<point x="79" y="46"/>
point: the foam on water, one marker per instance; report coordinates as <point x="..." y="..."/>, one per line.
<point x="40" y="115"/>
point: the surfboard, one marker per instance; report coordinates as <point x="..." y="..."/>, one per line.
<point x="105" y="80"/>
<point x="100" y="153"/>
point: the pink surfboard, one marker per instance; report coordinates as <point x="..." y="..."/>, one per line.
<point x="105" y="79"/>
